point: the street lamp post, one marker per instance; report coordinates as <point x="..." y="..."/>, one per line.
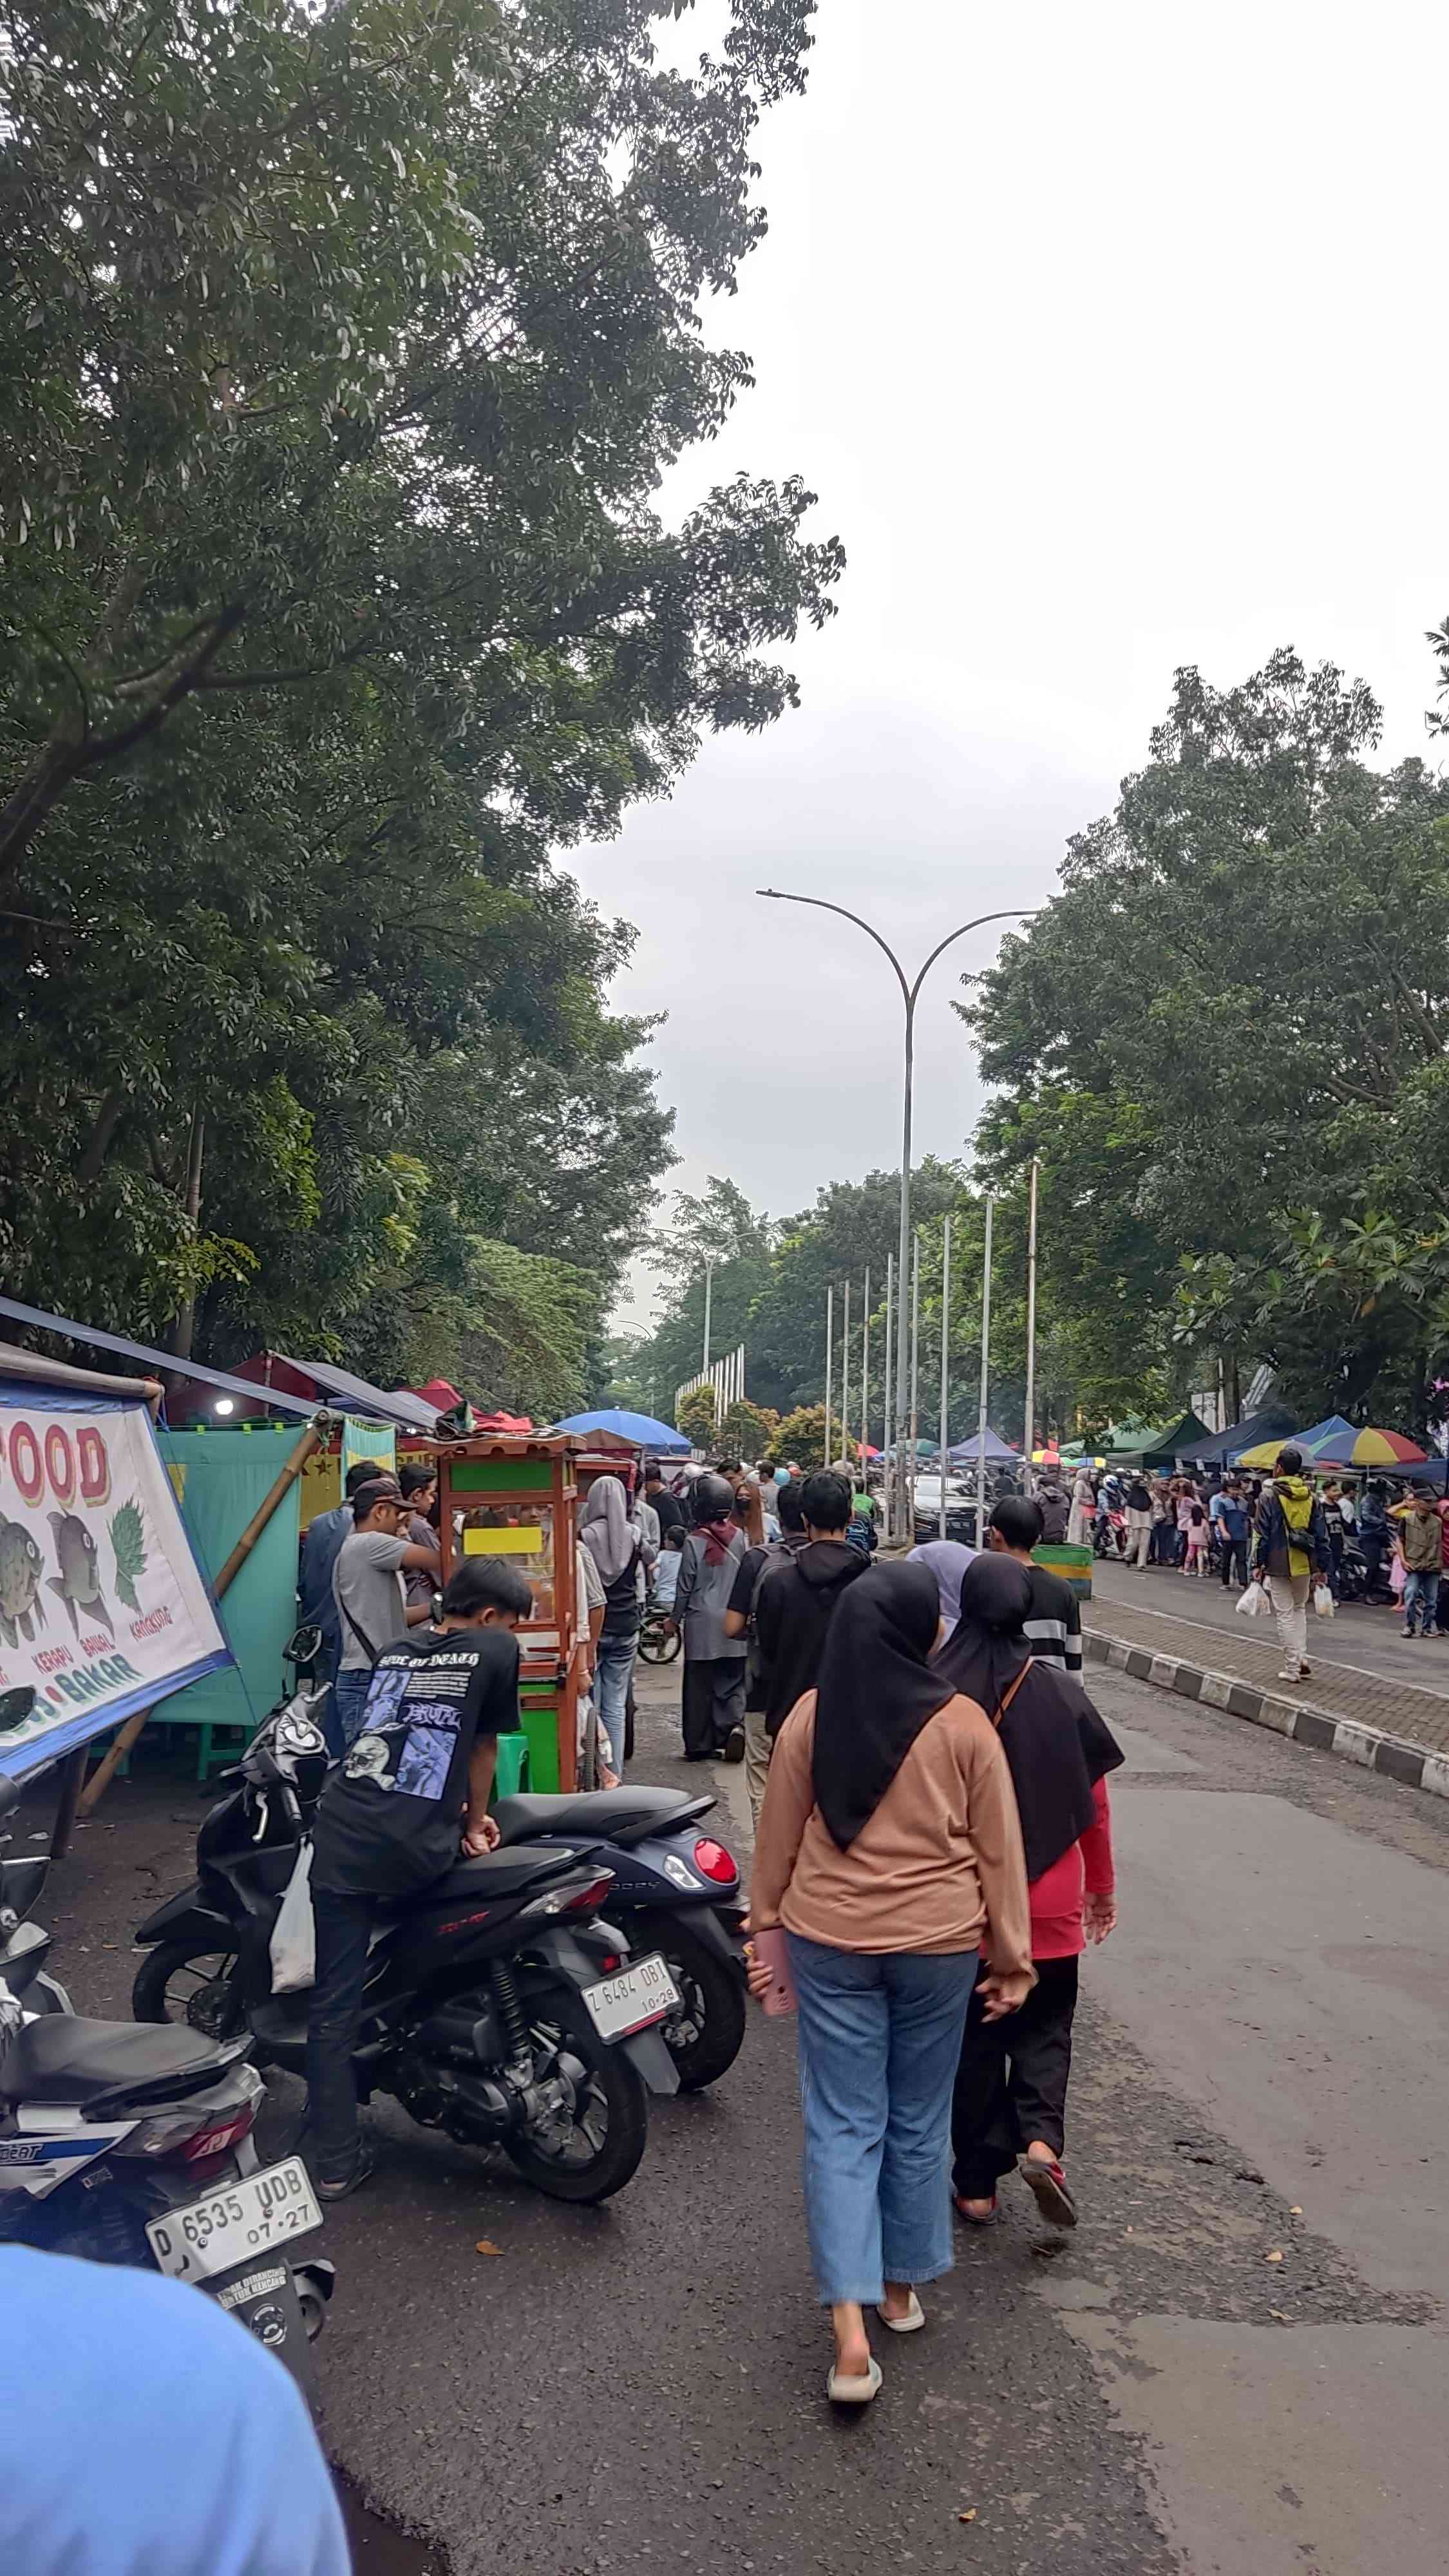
<point x="909" y="995"/>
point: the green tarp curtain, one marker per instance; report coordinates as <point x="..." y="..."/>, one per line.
<point x="220" y="1478"/>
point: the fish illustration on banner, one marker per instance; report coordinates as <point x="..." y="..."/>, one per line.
<point x="89" y="1525"/>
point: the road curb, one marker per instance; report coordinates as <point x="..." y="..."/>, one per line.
<point x="1369" y="1746"/>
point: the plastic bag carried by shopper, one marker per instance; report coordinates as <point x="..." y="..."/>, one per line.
<point x="1251" y="1601"/>
<point x="294" y="1934"/>
<point x="1323" y="1601"/>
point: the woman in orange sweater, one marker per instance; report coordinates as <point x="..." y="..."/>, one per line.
<point x="1011" y="2089"/>
<point x="890" y="1855"/>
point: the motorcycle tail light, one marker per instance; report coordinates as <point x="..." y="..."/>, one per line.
<point x="217" y="2141"/>
<point x="713" y="1861"/>
<point x="587" y="1900"/>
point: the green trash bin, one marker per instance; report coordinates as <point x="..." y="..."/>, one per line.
<point x="512" y="1771"/>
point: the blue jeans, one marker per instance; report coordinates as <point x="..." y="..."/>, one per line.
<point x="349" y="1698"/>
<point x="1421" y="1589"/>
<point x="880" y="2038"/>
<point x="614" y="1662"/>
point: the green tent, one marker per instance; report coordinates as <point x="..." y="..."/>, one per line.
<point x="1134" y="1444"/>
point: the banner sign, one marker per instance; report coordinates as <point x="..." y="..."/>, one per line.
<point x="103" y="1609"/>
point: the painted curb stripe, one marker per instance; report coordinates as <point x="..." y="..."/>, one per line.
<point x="1370" y="1746"/>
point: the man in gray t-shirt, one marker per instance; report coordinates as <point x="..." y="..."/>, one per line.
<point x="367" y="1586"/>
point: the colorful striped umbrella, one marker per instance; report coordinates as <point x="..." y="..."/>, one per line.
<point x="1368" y="1448"/>
<point x="1339" y="1446"/>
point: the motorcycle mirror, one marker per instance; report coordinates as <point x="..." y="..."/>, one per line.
<point x="303" y="1646"/>
<point x="16" y="1706"/>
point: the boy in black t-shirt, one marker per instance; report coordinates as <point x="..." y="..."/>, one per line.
<point x="409" y="1797"/>
<point x="1054" y="1623"/>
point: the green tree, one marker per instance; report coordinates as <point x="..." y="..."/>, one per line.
<point x="800" y="1436"/>
<point x="337" y="343"/>
<point x="339" y="357"/>
<point x="697" y="1416"/>
<point x="745" y="1431"/>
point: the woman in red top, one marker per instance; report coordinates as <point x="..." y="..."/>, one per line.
<point x="1010" y="2099"/>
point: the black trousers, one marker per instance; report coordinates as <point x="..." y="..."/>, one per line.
<point x="1235" y="1561"/>
<point x="713" y="1702"/>
<point x="334" y="2017"/>
<point x="1011" y="2083"/>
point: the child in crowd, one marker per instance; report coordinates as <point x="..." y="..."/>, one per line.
<point x="666" y="1571"/>
<point x="1196" y="1560"/>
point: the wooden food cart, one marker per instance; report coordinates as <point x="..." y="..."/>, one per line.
<point x="517" y="1496"/>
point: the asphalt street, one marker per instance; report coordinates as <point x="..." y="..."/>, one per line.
<point x="1259" y="2074"/>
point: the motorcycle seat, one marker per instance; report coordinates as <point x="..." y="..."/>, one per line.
<point x="493" y="1874"/>
<point x="63" y="2058"/>
<point x="603" y="1813"/>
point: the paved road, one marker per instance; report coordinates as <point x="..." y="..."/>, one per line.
<point x="642" y="2385"/>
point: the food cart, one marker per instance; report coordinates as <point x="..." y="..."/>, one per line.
<point x="517" y="1496"/>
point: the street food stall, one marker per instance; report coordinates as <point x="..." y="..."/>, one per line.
<point x="517" y="1497"/>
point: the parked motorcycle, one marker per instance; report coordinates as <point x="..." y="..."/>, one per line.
<point x="675" y="1890"/>
<point x="497" y="2005"/>
<point x="135" y="2146"/>
<point x="1109" y="1535"/>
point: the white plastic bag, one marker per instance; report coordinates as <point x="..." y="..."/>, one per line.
<point x="1323" y="1601"/>
<point x="294" y="1934"/>
<point x="1251" y="1601"/>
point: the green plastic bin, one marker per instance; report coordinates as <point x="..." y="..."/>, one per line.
<point x="512" y="1771"/>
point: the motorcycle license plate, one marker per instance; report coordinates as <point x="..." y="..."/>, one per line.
<point x="252" y="2214"/>
<point x="639" y="1996"/>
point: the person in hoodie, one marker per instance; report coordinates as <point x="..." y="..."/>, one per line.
<point x="740" y="1622"/>
<point x="797" y="1598"/>
<point x="1290" y="1549"/>
<point x="713" y="1709"/>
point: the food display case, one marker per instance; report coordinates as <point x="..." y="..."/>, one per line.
<point x="517" y="1497"/>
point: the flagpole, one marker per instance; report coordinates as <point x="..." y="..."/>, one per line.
<point x="829" y="1365"/>
<point x="1030" y="1441"/>
<point x="865" y="1386"/>
<point x="910" y="1528"/>
<point x="985" y="1378"/>
<point x="945" y="1363"/>
<point x="885" y="1429"/>
<point x="845" y="1378"/>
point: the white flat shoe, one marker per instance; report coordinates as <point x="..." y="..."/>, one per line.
<point x="844" y="2391"/>
<point x="910" y="2323"/>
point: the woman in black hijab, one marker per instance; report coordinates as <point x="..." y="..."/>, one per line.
<point x="888" y="1849"/>
<point x="1011" y="2086"/>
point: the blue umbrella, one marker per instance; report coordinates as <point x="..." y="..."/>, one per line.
<point x="640" y="1428"/>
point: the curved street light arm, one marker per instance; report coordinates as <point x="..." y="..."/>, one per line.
<point x="819" y="905"/>
<point x="1017" y="913"/>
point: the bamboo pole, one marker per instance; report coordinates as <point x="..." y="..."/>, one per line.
<point x="865" y="1386"/>
<point x="885" y="1429"/>
<point x="845" y="1379"/>
<point x="909" y="1531"/>
<point x="829" y="1365"/>
<point x="1030" y="1441"/>
<point x="121" y="1743"/>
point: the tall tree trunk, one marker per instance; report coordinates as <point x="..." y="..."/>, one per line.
<point x="184" y="1327"/>
<point x="98" y="1143"/>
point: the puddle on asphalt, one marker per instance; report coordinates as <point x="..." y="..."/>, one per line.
<point x="378" y="2550"/>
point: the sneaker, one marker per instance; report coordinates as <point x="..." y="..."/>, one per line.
<point x="1288" y="1675"/>
<point x="334" y="2191"/>
<point x="733" y="1748"/>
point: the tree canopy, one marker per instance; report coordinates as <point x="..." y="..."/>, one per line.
<point x="1226" y="1041"/>
<point x="341" y="351"/>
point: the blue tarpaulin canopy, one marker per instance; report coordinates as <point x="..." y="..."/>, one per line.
<point x="640" y="1428"/>
<point x="994" y="1448"/>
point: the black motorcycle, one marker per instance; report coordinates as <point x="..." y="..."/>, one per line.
<point x="135" y="2146"/>
<point x="497" y="2007"/>
<point x="675" y="1890"/>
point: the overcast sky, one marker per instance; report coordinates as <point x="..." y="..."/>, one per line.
<point x="1111" y="339"/>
